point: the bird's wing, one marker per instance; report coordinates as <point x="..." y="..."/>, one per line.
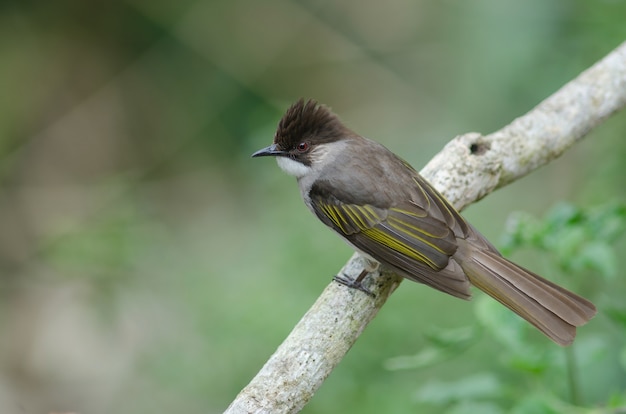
<point x="405" y="237"/>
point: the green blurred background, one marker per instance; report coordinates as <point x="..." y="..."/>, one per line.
<point x="147" y="264"/>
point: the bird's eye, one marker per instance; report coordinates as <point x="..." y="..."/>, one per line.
<point x="302" y="147"/>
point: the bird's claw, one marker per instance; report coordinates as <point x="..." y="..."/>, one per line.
<point x="354" y="283"/>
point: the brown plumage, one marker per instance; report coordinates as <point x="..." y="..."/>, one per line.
<point x="381" y="206"/>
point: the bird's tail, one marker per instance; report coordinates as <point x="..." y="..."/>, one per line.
<point x="553" y="310"/>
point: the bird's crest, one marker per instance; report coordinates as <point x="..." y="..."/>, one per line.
<point x="307" y="119"/>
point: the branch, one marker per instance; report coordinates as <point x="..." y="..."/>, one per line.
<point x="468" y="168"/>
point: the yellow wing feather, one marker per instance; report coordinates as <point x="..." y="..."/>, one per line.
<point x="408" y="233"/>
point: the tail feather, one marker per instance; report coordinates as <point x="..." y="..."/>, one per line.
<point x="552" y="309"/>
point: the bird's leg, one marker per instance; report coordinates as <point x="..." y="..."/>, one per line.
<point x="355" y="283"/>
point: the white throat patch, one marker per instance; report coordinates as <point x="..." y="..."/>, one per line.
<point x="291" y="167"/>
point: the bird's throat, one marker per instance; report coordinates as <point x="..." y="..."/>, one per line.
<point x="292" y="167"/>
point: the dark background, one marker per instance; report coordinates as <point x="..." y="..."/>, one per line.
<point x="147" y="264"/>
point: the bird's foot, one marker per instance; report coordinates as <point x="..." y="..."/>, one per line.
<point x="354" y="283"/>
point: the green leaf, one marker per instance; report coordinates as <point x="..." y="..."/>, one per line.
<point x="562" y="215"/>
<point x="535" y="404"/>
<point x="479" y="386"/>
<point x="617" y="400"/>
<point x="617" y="314"/>
<point x="521" y="229"/>
<point x="504" y="325"/>
<point x="608" y="222"/>
<point x="597" y="256"/>
<point x="456" y="338"/>
<point x="445" y="344"/>
<point x="427" y="357"/>
<point x="532" y="360"/>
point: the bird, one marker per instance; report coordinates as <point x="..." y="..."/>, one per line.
<point x="393" y="217"/>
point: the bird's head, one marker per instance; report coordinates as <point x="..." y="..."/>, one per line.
<point x="305" y="135"/>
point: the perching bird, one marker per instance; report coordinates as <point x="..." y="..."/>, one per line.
<point x="391" y="215"/>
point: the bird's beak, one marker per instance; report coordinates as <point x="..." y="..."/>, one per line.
<point x="272" y="150"/>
